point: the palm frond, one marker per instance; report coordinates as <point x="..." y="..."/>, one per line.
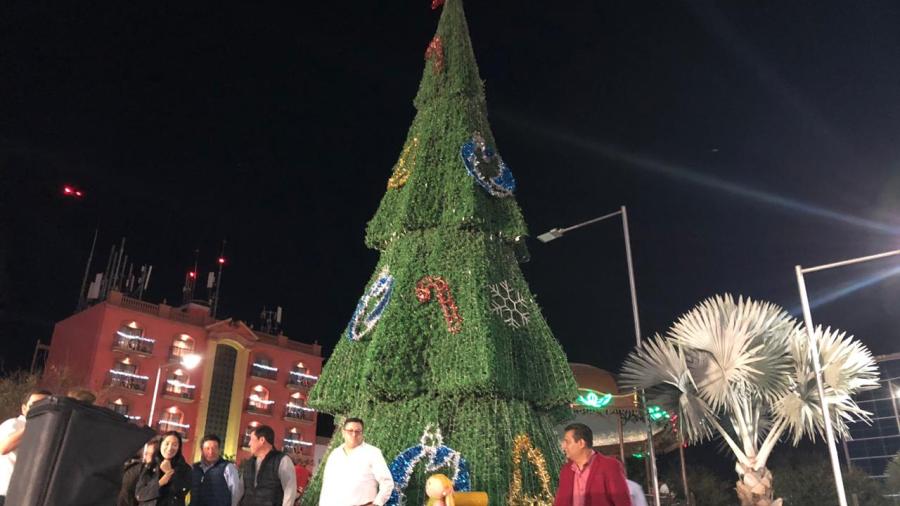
<point x="658" y="366"/>
<point x="848" y="367"/>
<point x="736" y="344"/>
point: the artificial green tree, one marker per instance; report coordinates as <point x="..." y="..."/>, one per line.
<point x="496" y="371"/>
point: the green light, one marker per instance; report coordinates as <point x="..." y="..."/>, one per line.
<point x="657" y="413"/>
<point x="638" y="455"/>
<point x="593" y="399"/>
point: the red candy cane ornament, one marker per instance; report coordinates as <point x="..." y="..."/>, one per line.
<point x="442" y="291"/>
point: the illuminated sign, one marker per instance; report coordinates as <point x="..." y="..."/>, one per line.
<point x="593" y="399"/>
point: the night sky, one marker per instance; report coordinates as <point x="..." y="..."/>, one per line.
<point x="743" y="139"/>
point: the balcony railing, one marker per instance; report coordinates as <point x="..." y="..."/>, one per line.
<point x="260" y="407"/>
<point x="127" y="380"/>
<point x="294" y="443"/>
<point x="181" y="428"/>
<point x="135" y="344"/>
<point x="297" y="412"/>
<point x="263" y="371"/>
<point x="175" y="388"/>
<point x="301" y="380"/>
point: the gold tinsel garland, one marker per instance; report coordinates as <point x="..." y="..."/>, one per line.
<point x="404" y="165"/>
<point x="534" y="455"/>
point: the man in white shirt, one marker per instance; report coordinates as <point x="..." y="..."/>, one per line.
<point x="355" y="473"/>
<point x="268" y="475"/>
<point x="11" y="432"/>
<point x="637" y="493"/>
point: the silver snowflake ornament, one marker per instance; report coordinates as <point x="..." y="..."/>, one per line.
<point x="508" y="303"/>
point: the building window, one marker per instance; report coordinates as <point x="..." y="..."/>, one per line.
<point x="178" y="384"/>
<point x="130" y="337"/>
<point x="173" y="419"/>
<point x="300" y="378"/>
<point x="294" y="443"/>
<point x="245" y="441"/>
<point x="258" y="401"/>
<point x="124" y="375"/>
<point x="181" y="346"/>
<point x="296" y="408"/>
<point x="263" y="367"/>
<point x="219" y="400"/>
<point x="118" y="406"/>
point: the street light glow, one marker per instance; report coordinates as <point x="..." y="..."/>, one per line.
<point x="191" y="360"/>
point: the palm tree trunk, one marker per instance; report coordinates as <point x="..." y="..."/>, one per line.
<point x="755" y="487"/>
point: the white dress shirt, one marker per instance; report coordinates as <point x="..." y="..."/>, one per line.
<point x="8" y="461"/>
<point x="355" y="477"/>
<point x="637" y="494"/>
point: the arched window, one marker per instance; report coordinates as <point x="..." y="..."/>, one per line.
<point x="294" y="442"/>
<point x="124" y="374"/>
<point x="178" y="384"/>
<point x="119" y="406"/>
<point x="296" y="408"/>
<point x="258" y="400"/>
<point x="181" y="346"/>
<point x="130" y="337"/>
<point x="300" y="377"/>
<point x="173" y="419"/>
<point x="264" y="367"/>
<point x="245" y="442"/>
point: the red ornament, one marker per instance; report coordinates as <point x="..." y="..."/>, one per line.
<point x="436" y="3"/>
<point x="442" y="291"/>
<point x="436" y="51"/>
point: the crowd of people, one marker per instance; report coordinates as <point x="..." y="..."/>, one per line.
<point x="355" y="473"/>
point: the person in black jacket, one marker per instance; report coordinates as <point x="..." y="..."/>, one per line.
<point x="133" y="470"/>
<point x="167" y="480"/>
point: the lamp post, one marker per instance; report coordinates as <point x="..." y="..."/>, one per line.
<point x="812" y="333"/>
<point x="556" y="233"/>
<point x="188" y="361"/>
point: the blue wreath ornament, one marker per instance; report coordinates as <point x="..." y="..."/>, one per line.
<point x="475" y="153"/>
<point x="436" y="456"/>
<point x="364" y="319"/>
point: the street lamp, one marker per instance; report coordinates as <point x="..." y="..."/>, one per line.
<point x="188" y="361"/>
<point x="814" y="348"/>
<point x="556" y="233"/>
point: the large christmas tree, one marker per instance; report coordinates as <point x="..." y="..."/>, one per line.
<point x="447" y="337"/>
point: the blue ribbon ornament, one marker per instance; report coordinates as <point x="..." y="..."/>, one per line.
<point x="436" y="456"/>
<point x="475" y="152"/>
<point x="363" y="319"/>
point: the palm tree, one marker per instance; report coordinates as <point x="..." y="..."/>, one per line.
<point x="742" y="371"/>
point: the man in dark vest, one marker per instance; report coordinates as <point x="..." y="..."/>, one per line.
<point x="268" y="475"/>
<point x="215" y="481"/>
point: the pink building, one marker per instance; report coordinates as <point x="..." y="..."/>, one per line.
<point x="118" y="348"/>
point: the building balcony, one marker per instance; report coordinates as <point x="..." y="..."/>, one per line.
<point x="263" y="371"/>
<point x="179" y="391"/>
<point x="181" y="428"/>
<point x="296" y="412"/>
<point x="293" y="442"/>
<point x="176" y="353"/>
<point x="301" y="381"/>
<point x="128" y="381"/>
<point x="260" y="407"/>
<point x="133" y="344"/>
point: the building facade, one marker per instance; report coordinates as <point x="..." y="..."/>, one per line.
<point x="871" y="447"/>
<point x="245" y="378"/>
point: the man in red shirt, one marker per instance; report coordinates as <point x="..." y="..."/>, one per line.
<point x="589" y="478"/>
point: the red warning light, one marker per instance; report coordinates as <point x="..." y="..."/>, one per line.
<point x="192" y="274"/>
<point x="221" y="260"/>
<point x="70" y="191"/>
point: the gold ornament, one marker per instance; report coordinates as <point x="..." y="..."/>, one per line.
<point x="534" y="455"/>
<point x="404" y="165"/>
